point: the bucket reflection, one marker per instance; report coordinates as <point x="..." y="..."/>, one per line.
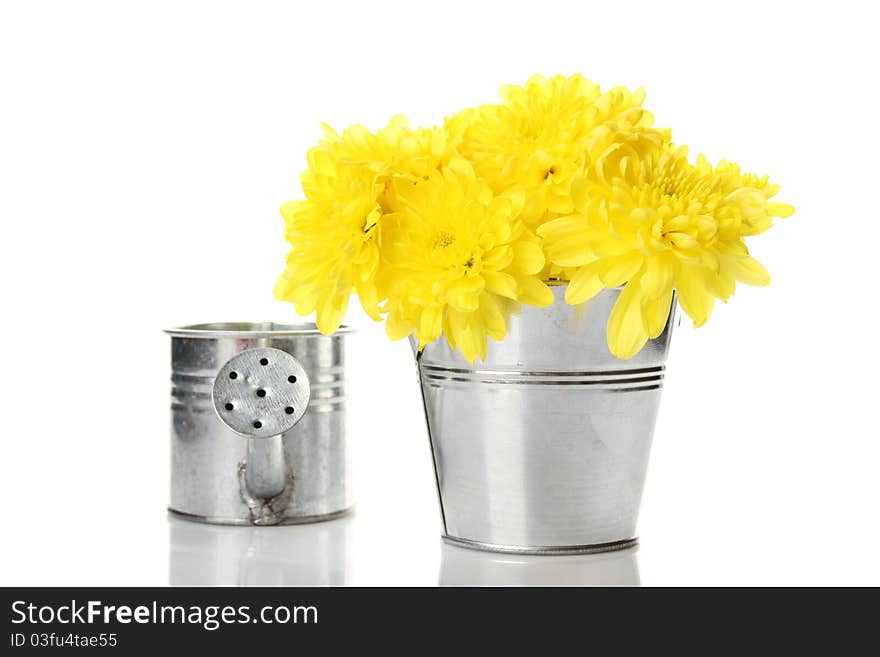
<point x="464" y="567"/>
<point x="316" y="554"/>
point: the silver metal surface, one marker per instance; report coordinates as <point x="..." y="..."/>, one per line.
<point x="549" y="550"/>
<point x="217" y="475"/>
<point x="462" y="567"/>
<point x="266" y="482"/>
<point x="318" y="554"/>
<point x="261" y="392"/>
<point x="247" y="522"/>
<point x="543" y="447"/>
<point x="266" y="473"/>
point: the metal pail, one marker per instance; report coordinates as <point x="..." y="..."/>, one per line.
<point x="543" y="447"/>
<point x="220" y="476"/>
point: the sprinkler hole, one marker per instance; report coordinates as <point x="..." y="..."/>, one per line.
<point x="291" y="378"/>
<point x="258" y="424"/>
<point x="264" y="361"/>
<point x="233" y="375"/>
<point x="289" y="410"/>
<point x="261" y="393"/>
<point x="228" y="406"/>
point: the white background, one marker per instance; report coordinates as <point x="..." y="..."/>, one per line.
<point x="145" y="148"/>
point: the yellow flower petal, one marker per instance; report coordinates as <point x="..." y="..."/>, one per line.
<point x="397" y="326"/>
<point x="492" y="317"/>
<point x="368" y="295"/>
<point x="572" y="251"/>
<point x="430" y="324"/>
<point x="331" y="312"/>
<point x="466" y="335"/>
<point x="528" y="257"/>
<point x="626" y="329"/>
<point x="655" y="312"/>
<point x="464" y="294"/>
<point x="617" y="270"/>
<point x="657" y="276"/>
<point x="289" y="209"/>
<point x="584" y="285"/>
<point x="534" y="292"/>
<point x="500" y="283"/>
<point x="780" y="210"/>
<point x="498" y="258"/>
<point x="751" y="272"/>
<point x="563" y="227"/>
<point x="693" y="295"/>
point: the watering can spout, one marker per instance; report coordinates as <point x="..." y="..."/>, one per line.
<point x="265" y="471"/>
<point x="259" y="394"/>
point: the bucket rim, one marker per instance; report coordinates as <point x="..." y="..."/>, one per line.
<point x="212" y="330"/>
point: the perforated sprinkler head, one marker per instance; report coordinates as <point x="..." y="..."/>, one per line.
<point x="261" y="392"/>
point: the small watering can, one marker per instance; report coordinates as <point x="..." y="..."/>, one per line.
<point x="258" y="424"/>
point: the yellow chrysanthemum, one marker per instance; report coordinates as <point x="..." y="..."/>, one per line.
<point x="445" y="230"/>
<point x="333" y="241"/>
<point x="455" y="256"/>
<point x="333" y="232"/>
<point x="396" y="149"/>
<point x="653" y="222"/>
<point x="543" y="135"/>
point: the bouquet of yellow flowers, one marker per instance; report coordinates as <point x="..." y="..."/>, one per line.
<point x="445" y="231"/>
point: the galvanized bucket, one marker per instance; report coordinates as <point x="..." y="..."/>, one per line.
<point x="543" y="447"/>
<point x="258" y="424"/>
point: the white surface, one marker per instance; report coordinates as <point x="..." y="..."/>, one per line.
<point x="145" y="149"/>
